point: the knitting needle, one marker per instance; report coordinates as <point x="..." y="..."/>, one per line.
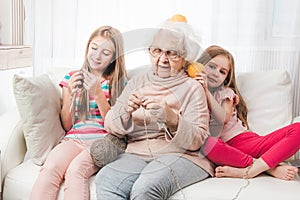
<point x="162" y="125"/>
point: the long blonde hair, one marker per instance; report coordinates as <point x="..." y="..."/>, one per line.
<point x="230" y="81"/>
<point x="115" y="71"/>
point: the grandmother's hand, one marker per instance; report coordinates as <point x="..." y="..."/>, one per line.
<point x="135" y="101"/>
<point x="158" y="109"/>
<point x="162" y="114"/>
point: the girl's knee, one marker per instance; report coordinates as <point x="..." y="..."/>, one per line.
<point x="51" y="169"/>
<point x="296" y="129"/>
<point x="211" y="143"/>
<point x="296" y="126"/>
<point x="49" y="175"/>
<point x="74" y="171"/>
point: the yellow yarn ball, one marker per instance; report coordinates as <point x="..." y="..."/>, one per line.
<point x="194" y="68"/>
<point x="178" y="18"/>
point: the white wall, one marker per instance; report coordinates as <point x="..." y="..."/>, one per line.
<point x="7" y="100"/>
<point x="6" y="21"/>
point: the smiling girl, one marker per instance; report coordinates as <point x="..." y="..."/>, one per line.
<point x="87" y="95"/>
<point x="238" y="151"/>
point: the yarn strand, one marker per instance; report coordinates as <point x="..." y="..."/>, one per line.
<point x="154" y="158"/>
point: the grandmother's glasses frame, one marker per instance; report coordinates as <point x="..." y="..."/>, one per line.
<point x="170" y="54"/>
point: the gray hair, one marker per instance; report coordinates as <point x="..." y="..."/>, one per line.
<point x="187" y="35"/>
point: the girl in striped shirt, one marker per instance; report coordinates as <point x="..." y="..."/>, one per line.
<point x="87" y="95"/>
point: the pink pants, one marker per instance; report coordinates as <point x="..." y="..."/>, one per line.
<point x="240" y="150"/>
<point x="69" y="161"/>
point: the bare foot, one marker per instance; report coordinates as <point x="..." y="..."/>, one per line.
<point x="285" y="172"/>
<point x="227" y="171"/>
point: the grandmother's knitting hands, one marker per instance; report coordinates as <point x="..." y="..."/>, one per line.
<point x="161" y="112"/>
<point x="157" y="109"/>
<point x="135" y="101"/>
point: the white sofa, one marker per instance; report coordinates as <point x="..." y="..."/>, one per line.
<point x="268" y="95"/>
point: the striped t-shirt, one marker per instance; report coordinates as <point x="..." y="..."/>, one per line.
<point x="93" y="127"/>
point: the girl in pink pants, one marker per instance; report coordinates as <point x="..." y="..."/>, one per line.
<point x="238" y="152"/>
<point x="87" y="95"/>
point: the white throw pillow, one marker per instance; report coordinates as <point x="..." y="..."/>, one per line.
<point x="268" y="96"/>
<point x="39" y="105"/>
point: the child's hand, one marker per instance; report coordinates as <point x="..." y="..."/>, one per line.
<point x="90" y="80"/>
<point x="202" y="79"/>
<point x="75" y="82"/>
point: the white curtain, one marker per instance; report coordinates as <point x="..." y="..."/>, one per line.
<point x="261" y="34"/>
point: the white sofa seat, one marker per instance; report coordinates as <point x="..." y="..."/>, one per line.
<point x="264" y="101"/>
<point x="264" y="187"/>
<point x="23" y="177"/>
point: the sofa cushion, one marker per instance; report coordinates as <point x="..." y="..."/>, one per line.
<point x="262" y="187"/>
<point x="39" y="107"/>
<point x="22" y="178"/>
<point x="268" y="95"/>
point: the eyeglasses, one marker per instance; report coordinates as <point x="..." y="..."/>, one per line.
<point x="170" y="54"/>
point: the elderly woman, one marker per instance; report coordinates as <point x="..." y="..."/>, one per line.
<point x="164" y="116"/>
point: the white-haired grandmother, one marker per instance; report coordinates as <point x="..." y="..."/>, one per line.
<point x="163" y="114"/>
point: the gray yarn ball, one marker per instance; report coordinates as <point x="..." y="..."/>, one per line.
<point x="106" y="150"/>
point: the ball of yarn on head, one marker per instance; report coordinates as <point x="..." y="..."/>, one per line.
<point x="178" y="18"/>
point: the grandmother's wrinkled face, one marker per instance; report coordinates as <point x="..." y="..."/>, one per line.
<point x="166" y="53"/>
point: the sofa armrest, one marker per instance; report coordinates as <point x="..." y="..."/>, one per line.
<point x="296" y="119"/>
<point x="12" y="142"/>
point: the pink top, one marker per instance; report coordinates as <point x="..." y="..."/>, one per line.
<point x="234" y="126"/>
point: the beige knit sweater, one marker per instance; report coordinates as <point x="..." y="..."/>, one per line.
<point x="183" y="94"/>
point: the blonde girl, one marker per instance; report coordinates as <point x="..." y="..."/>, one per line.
<point x="238" y="151"/>
<point x="87" y="95"/>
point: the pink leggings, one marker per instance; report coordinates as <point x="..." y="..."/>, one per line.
<point x="68" y="161"/>
<point x="240" y="150"/>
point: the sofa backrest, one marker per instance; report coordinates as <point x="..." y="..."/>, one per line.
<point x="268" y="96"/>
